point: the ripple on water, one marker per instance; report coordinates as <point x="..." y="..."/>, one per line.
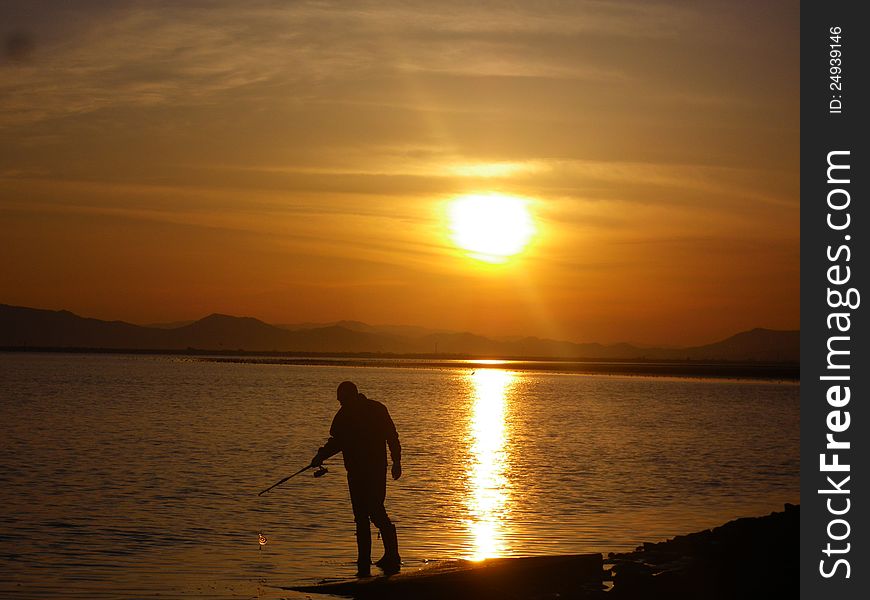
<point x="129" y="476"/>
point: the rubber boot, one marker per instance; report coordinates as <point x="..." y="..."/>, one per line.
<point x="363" y="551"/>
<point x="390" y="562"/>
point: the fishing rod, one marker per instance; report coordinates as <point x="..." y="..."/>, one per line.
<point x="320" y="472"/>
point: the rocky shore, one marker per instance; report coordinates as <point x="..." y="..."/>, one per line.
<point x="747" y="558"/>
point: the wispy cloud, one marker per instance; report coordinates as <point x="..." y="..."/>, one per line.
<point x="139" y="54"/>
<point x="321" y="140"/>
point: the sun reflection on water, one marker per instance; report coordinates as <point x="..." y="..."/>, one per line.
<point x="488" y="497"/>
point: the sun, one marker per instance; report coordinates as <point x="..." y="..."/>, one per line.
<point x="491" y="227"/>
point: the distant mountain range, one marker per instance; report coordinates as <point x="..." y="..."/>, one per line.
<point x="22" y="327"/>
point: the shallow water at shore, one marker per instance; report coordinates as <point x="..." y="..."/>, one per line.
<point x="137" y="475"/>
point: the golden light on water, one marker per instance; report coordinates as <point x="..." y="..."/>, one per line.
<point x="491" y="227"/>
<point x="488" y="499"/>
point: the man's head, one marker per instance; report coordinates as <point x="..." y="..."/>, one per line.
<point x="347" y="392"/>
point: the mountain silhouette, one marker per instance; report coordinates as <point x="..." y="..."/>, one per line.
<point x="22" y="327"/>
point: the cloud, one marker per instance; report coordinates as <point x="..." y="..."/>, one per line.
<point x="176" y="53"/>
<point x="322" y="138"/>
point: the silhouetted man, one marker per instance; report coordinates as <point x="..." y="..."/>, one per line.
<point x="361" y="430"/>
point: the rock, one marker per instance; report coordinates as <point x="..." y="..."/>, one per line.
<point x="746" y="558"/>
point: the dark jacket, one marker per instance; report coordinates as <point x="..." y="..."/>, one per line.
<point x="361" y="430"/>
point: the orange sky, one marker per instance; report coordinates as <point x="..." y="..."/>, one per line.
<point x="295" y="161"/>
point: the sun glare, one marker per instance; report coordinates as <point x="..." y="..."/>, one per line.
<point x="491" y="227"/>
<point x="489" y="500"/>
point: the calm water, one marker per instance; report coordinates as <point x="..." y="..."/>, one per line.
<point x="137" y="476"/>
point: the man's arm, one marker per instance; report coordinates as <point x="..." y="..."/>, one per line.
<point x="327" y="450"/>
<point x="332" y="446"/>
<point x="393" y="442"/>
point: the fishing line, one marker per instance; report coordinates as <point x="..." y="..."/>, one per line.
<point x="262" y="540"/>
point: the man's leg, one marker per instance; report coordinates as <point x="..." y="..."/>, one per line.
<point x="359" y="500"/>
<point x="390" y="561"/>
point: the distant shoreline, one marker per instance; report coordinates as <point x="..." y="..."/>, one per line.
<point x="617" y="366"/>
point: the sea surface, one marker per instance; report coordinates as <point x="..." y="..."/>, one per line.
<point x="137" y="476"/>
